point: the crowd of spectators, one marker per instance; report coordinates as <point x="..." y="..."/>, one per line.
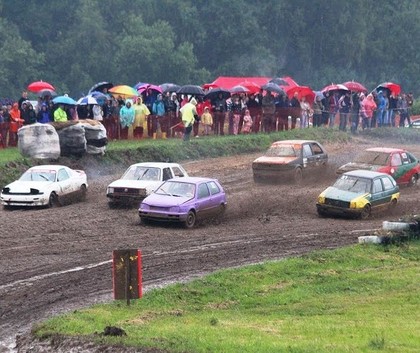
<point x="160" y="115"/>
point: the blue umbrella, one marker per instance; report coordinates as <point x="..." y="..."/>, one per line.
<point x="64" y="100"/>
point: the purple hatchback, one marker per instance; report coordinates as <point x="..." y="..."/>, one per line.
<point x="184" y="200"/>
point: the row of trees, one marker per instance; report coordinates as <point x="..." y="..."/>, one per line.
<point x="76" y="43"/>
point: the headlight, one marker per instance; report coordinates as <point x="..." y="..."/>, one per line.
<point x="144" y="206"/>
<point x="174" y="209"/>
<point x="321" y="199"/>
<point x="353" y="204"/>
<point x="110" y="190"/>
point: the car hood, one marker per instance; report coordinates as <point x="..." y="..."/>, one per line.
<point x="274" y="160"/>
<point x="135" y="184"/>
<point x="354" y="166"/>
<point x="160" y="200"/>
<point x="25" y="186"/>
<point x="337" y="194"/>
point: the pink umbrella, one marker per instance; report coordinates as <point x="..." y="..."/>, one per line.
<point x="148" y="87"/>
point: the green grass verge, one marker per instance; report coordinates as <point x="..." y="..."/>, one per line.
<point x="362" y="298"/>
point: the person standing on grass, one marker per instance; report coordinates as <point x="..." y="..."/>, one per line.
<point x="126" y="119"/>
<point x="188" y="113"/>
<point x="207" y="121"/>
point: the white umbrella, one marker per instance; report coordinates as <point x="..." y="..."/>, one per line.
<point x="87" y="100"/>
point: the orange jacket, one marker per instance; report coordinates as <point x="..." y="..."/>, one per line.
<point x="15" y="121"/>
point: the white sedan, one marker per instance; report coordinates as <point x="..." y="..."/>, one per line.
<point x="140" y="180"/>
<point x="45" y="185"/>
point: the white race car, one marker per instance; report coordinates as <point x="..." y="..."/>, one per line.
<point x="45" y="185"/>
<point x="140" y="180"/>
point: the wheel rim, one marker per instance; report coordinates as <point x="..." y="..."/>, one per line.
<point x="413" y="180"/>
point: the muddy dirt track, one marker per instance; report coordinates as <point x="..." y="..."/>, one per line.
<point x="55" y="260"/>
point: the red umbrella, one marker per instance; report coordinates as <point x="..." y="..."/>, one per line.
<point x="355" y="86"/>
<point x="40" y="85"/>
<point x="251" y="86"/>
<point x="303" y="91"/>
<point x="393" y="87"/>
<point x="334" y="87"/>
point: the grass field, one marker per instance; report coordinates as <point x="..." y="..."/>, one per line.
<point x="362" y="298"/>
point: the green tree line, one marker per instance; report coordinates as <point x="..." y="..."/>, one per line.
<point x="76" y="43"/>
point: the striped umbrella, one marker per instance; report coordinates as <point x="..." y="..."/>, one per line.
<point x="87" y="100"/>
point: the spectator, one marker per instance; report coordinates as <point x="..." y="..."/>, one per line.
<point x="127" y="114"/>
<point x="402" y="106"/>
<point x="188" y="112"/>
<point x="60" y="114"/>
<point x="305" y="109"/>
<point x="29" y="115"/>
<point x="381" y="109"/>
<point x="268" y="111"/>
<point x="23" y="98"/>
<point x="159" y="118"/>
<point x="44" y="115"/>
<point x="97" y="112"/>
<point x="247" y="127"/>
<point x="354" y="116"/>
<point x="318" y="109"/>
<point x="236" y="109"/>
<point x="392" y="109"/>
<point x="344" y="109"/>
<point x="207" y="121"/>
<point x="4" y="126"/>
<point x="140" y="118"/>
<point x="333" y="107"/>
<point x="254" y="107"/>
<point x="295" y="109"/>
<point x="282" y="112"/>
<point x="16" y="123"/>
<point x="220" y="109"/>
<point x="172" y="109"/>
<point x="368" y="107"/>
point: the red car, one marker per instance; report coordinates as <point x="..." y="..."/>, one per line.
<point x="403" y="166"/>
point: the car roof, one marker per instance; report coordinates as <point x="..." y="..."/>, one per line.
<point x="293" y="142"/>
<point x="194" y="180"/>
<point x="385" y="149"/>
<point x="365" y="174"/>
<point x="155" y="164"/>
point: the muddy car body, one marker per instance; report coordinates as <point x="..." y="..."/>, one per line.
<point x="290" y="159"/>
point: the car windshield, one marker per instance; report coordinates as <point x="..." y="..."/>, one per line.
<point x="353" y="184"/>
<point x="38" y="175"/>
<point x="176" y="188"/>
<point x="373" y="157"/>
<point x="281" y="151"/>
<point x="142" y="173"/>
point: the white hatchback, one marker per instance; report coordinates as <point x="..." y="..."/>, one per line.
<point x="140" y="180"/>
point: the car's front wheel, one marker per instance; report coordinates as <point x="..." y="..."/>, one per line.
<point x="53" y="200"/>
<point x="366" y="212"/>
<point x="191" y="219"/>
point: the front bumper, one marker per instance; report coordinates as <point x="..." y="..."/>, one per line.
<point x="23" y="200"/>
<point x="336" y="210"/>
<point x="163" y="216"/>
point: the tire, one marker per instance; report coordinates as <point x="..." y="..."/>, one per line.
<point x="413" y="180"/>
<point x="298" y="175"/>
<point x="53" y="200"/>
<point x="191" y="219"/>
<point x="365" y="214"/>
<point x="83" y="192"/>
<point x="222" y="210"/>
<point x="393" y="204"/>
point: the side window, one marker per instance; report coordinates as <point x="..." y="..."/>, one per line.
<point x="307" y="152"/>
<point x="396" y="160"/>
<point x="177" y="172"/>
<point x="214" y="189"/>
<point x="406" y="158"/>
<point x="317" y="149"/>
<point x="203" y="191"/>
<point x="167" y="174"/>
<point x="377" y="186"/>
<point x="387" y="183"/>
<point x="62" y="175"/>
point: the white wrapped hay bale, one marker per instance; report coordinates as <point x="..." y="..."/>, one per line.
<point x="96" y="139"/>
<point x="39" y="141"/>
<point x="72" y="140"/>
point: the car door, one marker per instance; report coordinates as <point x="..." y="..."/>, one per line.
<point x="408" y="167"/>
<point x="379" y="196"/>
<point x="320" y="156"/>
<point x="204" y="201"/>
<point x="64" y="182"/>
<point x="216" y="198"/>
<point x="308" y="157"/>
<point x="396" y="169"/>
